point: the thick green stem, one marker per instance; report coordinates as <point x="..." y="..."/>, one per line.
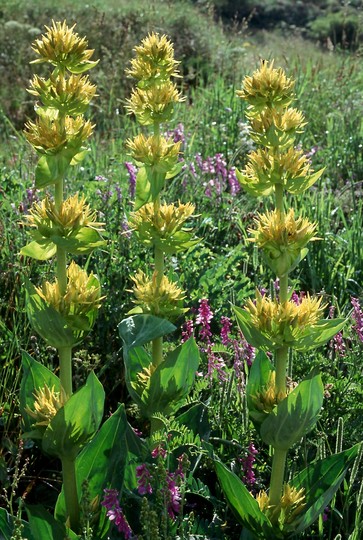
<point x="70" y="492"/>
<point x="281" y="358"/>
<point x="279" y="194"/>
<point x="157" y="344"/>
<point x="277" y="476"/>
<point x="65" y="369"/>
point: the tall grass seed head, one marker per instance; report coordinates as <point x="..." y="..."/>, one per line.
<point x="162" y="225"/>
<point x="162" y="298"/>
<point x="154" y="151"/>
<point x="282" y="238"/>
<point x="73" y="214"/>
<point x="154" y="61"/>
<point x="284" y="324"/>
<point x="46" y="405"/>
<point x="154" y="104"/>
<point x="267" y="87"/>
<point x="64" y="49"/>
<point x="49" y="135"/>
<point x="68" y="94"/>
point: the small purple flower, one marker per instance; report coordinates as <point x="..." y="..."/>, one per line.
<point x="225" y="330"/>
<point x="159" y="451"/>
<point x="205" y="315"/>
<point x="234" y="185"/>
<point x="217" y="365"/>
<point x="173" y="496"/>
<point x="143" y="480"/>
<point x="247" y="462"/>
<point x="115" y="513"/>
<point x="132" y="170"/>
<point x="187" y="331"/>
<point x="358" y="318"/>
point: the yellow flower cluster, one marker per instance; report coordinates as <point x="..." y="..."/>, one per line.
<point x="292" y="503"/>
<point x="282" y="238"/>
<point x="46" y="405"/>
<point x="73" y="214"/>
<point x="158" y="297"/>
<point x="154" y="151"/>
<point x="63" y="48"/>
<point x="284" y="324"/>
<point x="82" y="297"/>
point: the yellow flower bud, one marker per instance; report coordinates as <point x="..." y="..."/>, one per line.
<point x="46" y="405"/>
<point x="158" y="297"/>
<point x="69" y="95"/>
<point x="63" y="48"/>
<point x="284" y="324"/>
<point x="269" y="396"/>
<point x="267" y="87"/>
<point x="154" y="60"/>
<point x="282" y="238"/>
<point x="154" y="151"/>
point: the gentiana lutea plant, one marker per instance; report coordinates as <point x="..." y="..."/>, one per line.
<point x="158" y="383"/>
<point x="282" y="414"/>
<point x="62" y="311"/>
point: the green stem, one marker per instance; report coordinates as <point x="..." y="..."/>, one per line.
<point x="281" y="358"/>
<point x="277" y="476"/>
<point x="157" y="344"/>
<point x="279" y="194"/>
<point x="61" y="252"/>
<point x="70" y="492"/>
<point x="65" y="369"/>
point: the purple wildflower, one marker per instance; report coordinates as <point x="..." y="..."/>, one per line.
<point x="187" y="330"/>
<point x="234" y="185"/>
<point x="114" y="512"/>
<point x="132" y="170"/>
<point x="247" y="462"/>
<point x="205" y="315"/>
<point x="216" y="364"/>
<point x="225" y="330"/>
<point x="159" y="451"/>
<point x="173" y="496"/>
<point x="358" y="318"/>
<point x="143" y="479"/>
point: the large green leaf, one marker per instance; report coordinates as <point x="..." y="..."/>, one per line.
<point x="322" y="332"/>
<point x="252" y="335"/>
<point x="44" y="526"/>
<point x="172" y="380"/>
<point x="196" y="419"/>
<point x="41" y="250"/>
<point x="243" y="504"/>
<point x="76" y="422"/>
<point x="140" y="329"/>
<point x="259" y="376"/>
<point x="83" y="241"/>
<point x="321" y="480"/>
<point x="35" y="376"/>
<point x="295" y="415"/>
<point x="7" y="526"/>
<point x="108" y="461"/>
<point x="136" y="360"/>
<point x="50" y="168"/>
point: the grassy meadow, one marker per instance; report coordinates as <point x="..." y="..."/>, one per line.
<point x="224" y="268"/>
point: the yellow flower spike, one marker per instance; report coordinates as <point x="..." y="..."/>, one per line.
<point x="154" y="151"/>
<point x="81" y="300"/>
<point x="263" y="501"/>
<point x="69" y="95"/>
<point x="46" y="405"/>
<point x="73" y="214"/>
<point x="163" y="299"/>
<point x="284" y="324"/>
<point x="162" y="226"/>
<point x="154" y="60"/>
<point x="283" y="239"/>
<point x="267" y="87"/>
<point x="48" y="135"/>
<point x="63" y="48"/>
<point x="154" y="104"/>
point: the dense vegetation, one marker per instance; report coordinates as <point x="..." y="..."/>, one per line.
<point x="224" y="267"/>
